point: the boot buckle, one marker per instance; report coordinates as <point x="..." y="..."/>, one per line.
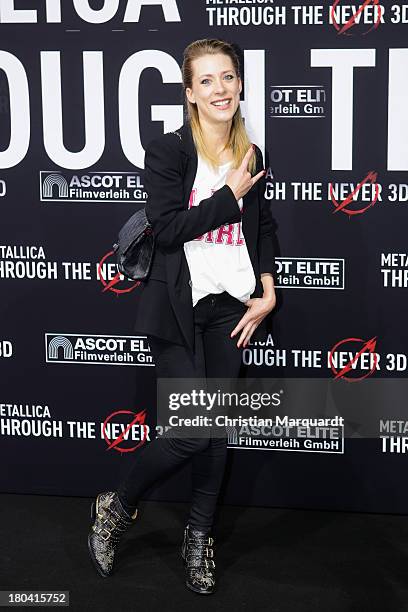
<point x="209" y="552"/>
<point x="108" y="519"/>
<point x="106" y="528"/>
<point x="100" y="533"/>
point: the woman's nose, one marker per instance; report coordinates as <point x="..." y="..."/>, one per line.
<point x="220" y="86"/>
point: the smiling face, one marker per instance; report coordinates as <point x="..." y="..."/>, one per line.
<point x="215" y="80"/>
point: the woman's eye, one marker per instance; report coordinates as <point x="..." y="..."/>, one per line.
<point x="227" y="75"/>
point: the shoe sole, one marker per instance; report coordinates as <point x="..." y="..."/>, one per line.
<point x="199" y="592"/>
<point x="91" y="553"/>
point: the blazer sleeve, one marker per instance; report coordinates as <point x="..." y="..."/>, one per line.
<point x="172" y="223"/>
<point x="266" y="230"/>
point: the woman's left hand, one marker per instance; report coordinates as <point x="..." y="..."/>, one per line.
<point x="257" y="311"/>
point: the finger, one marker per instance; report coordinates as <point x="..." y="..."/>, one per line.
<point x="246" y="158"/>
<point x="257" y="177"/>
<point x="241" y="323"/>
<point x="249" y="317"/>
<point x="252" y="322"/>
<point x="242" y="341"/>
<point x="239" y="326"/>
<point x="249" y="335"/>
<point x="244" y="333"/>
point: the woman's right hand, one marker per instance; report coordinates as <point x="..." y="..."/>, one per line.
<point x="239" y="179"/>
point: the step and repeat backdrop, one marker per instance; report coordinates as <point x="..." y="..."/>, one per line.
<point x="84" y="86"/>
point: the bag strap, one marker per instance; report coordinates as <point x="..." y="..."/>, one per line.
<point x="184" y="157"/>
<point x="178" y="134"/>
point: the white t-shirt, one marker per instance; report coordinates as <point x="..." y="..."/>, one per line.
<point x="219" y="260"/>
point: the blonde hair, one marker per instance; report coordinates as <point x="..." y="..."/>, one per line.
<point x="238" y="140"/>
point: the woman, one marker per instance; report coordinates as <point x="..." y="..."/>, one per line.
<point x="210" y="287"/>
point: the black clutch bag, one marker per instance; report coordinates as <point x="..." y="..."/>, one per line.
<point x="135" y="247"/>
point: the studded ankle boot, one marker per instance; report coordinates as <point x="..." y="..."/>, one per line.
<point x="198" y="557"/>
<point x="110" y="522"/>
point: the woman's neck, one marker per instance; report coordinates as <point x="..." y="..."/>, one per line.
<point x="215" y="137"/>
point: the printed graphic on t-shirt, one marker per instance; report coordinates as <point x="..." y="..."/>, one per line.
<point x="214" y="265"/>
<point x="230" y="233"/>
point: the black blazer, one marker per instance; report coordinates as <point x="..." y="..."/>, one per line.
<point x="165" y="307"/>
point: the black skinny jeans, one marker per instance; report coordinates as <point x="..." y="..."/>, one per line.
<point x="216" y="356"/>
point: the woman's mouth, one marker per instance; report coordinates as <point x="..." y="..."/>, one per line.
<point x="222" y="104"/>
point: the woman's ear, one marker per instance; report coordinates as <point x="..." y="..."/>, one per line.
<point x="190" y="95"/>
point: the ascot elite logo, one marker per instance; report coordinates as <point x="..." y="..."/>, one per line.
<point x="311" y="438"/>
<point x="97" y="349"/>
<point x="92" y="187"/>
<point x="309" y="273"/>
<point x="298" y="101"/>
